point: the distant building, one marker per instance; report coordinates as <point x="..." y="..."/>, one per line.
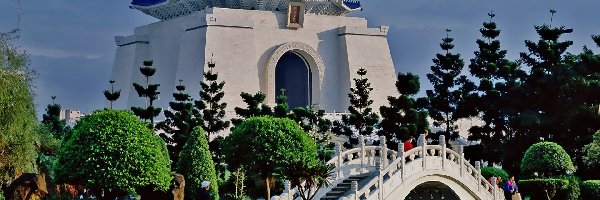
<point x="71" y="116"/>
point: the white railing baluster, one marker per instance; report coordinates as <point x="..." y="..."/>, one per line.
<point x="443" y="145"/>
<point x="478" y="173"/>
<point x="423" y="144"/>
<point x="383" y="152"/>
<point x="461" y="162"/>
<point x="402" y="159"/>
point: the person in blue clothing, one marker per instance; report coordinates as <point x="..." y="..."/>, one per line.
<point x="512" y="189"/>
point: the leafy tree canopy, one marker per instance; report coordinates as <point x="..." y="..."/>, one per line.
<point x="114" y="151"/>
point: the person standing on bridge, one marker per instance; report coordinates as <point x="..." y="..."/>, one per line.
<point x="408" y="143"/>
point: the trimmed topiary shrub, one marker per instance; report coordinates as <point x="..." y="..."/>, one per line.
<point x="116" y="152"/>
<point x="264" y="145"/>
<point x="590" y="189"/>
<point x="542" y="188"/>
<point x="488" y="172"/>
<point x="591" y="152"/>
<point x="572" y="191"/>
<point x="196" y="165"/>
<point x="547" y="159"/>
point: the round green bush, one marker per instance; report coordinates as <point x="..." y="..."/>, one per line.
<point x="263" y="145"/>
<point x="539" y="188"/>
<point x="196" y="165"/>
<point x="488" y="172"/>
<point x="114" y="151"/>
<point x="590" y="189"/>
<point x="547" y="159"/>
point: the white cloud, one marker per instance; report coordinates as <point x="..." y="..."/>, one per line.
<point x="59" y="53"/>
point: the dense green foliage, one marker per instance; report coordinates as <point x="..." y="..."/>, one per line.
<point x="488" y="172"/>
<point x="492" y="96"/>
<point x="590" y="189"/>
<point x="591" y="155"/>
<point x="572" y="191"/>
<point x="405" y="116"/>
<point x="178" y="124"/>
<point x="196" y="165"/>
<point x="18" y="121"/>
<point x="542" y="188"/>
<point x="255" y="107"/>
<point x="150" y="91"/>
<point x="308" y="175"/>
<point x="361" y="120"/>
<point x="112" y="95"/>
<point x="115" y="151"/>
<point x="445" y="77"/>
<point x="263" y="145"/>
<point x="57" y="127"/>
<point x="547" y="159"/>
<point x="210" y="103"/>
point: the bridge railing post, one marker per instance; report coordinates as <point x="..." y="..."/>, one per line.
<point x="402" y="159"/>
<point x="384" y="151"/>
<point x="363" y="153"/>
<point x="379" y="166"/>
<point x="462" y="159"/>
<point x="338" y="154"/>
<point x="494" y="187"/>
<point x="354" y="189"/>
<point x="423" y="144"/>
<point x="478" y="169"/>
<point x="443" y="145"/>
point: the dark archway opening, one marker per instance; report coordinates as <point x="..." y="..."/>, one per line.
<point x="432" y="190"/>
<point x="292" y="73"/>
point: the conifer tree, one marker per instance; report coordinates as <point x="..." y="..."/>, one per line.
<point x="405" y="116"/>
<point x="361" y="120"/>
<point x="112" y="95"/>
<point x="52" y="120"/>
<point x="150" y="92"/>
<point x="445" y="77"/>
<point x="179" y="123"/>
<point x="557" y="105"/>
<point x="282" y="109"/>
<point x="493" y="98"/>
<point x="213" y="110"/>
<point x="255" y="107"/>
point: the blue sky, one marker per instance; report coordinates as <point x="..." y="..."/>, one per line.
<point x="72" y="42"/>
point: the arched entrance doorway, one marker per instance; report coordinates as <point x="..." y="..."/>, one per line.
<point x="432" y="190"/>
<point x="293" y="74"/>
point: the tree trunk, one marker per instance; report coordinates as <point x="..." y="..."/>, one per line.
<point x="268" y="188"/>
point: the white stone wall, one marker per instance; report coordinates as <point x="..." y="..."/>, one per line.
<point x="241" y="43"/>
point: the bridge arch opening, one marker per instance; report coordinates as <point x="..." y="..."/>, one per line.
<point x="432" y="190"/>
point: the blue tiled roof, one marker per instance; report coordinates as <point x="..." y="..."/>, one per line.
<point x="147" y="2"/>
<point x="352" y="4"/>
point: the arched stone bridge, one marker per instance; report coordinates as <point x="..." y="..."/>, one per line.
<point x="377" y="173"/>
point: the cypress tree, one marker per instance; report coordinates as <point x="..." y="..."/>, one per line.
<point x="282" y="109"/>
<point x="445" y="77"/>
<point x="112" y="95"/>
<point x="213" y="110"/>
<point x="405" y="116"/>
<point x="150" y="92"/>
<point x="179" y="123"/>
<point x="361" y="120"/>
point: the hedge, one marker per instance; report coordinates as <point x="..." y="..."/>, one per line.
<point x="536" y="188"/>
<point x="196" y="165"/>
<point x="572" y="191"/>
<point x="590" y="189"/>
<point x="488" y="172"/>
<point x="546" y="158"/>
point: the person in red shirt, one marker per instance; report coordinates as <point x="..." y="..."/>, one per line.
<point x="408" y="143"/>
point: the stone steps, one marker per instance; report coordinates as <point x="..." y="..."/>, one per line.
<point x="344" y="187"/>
